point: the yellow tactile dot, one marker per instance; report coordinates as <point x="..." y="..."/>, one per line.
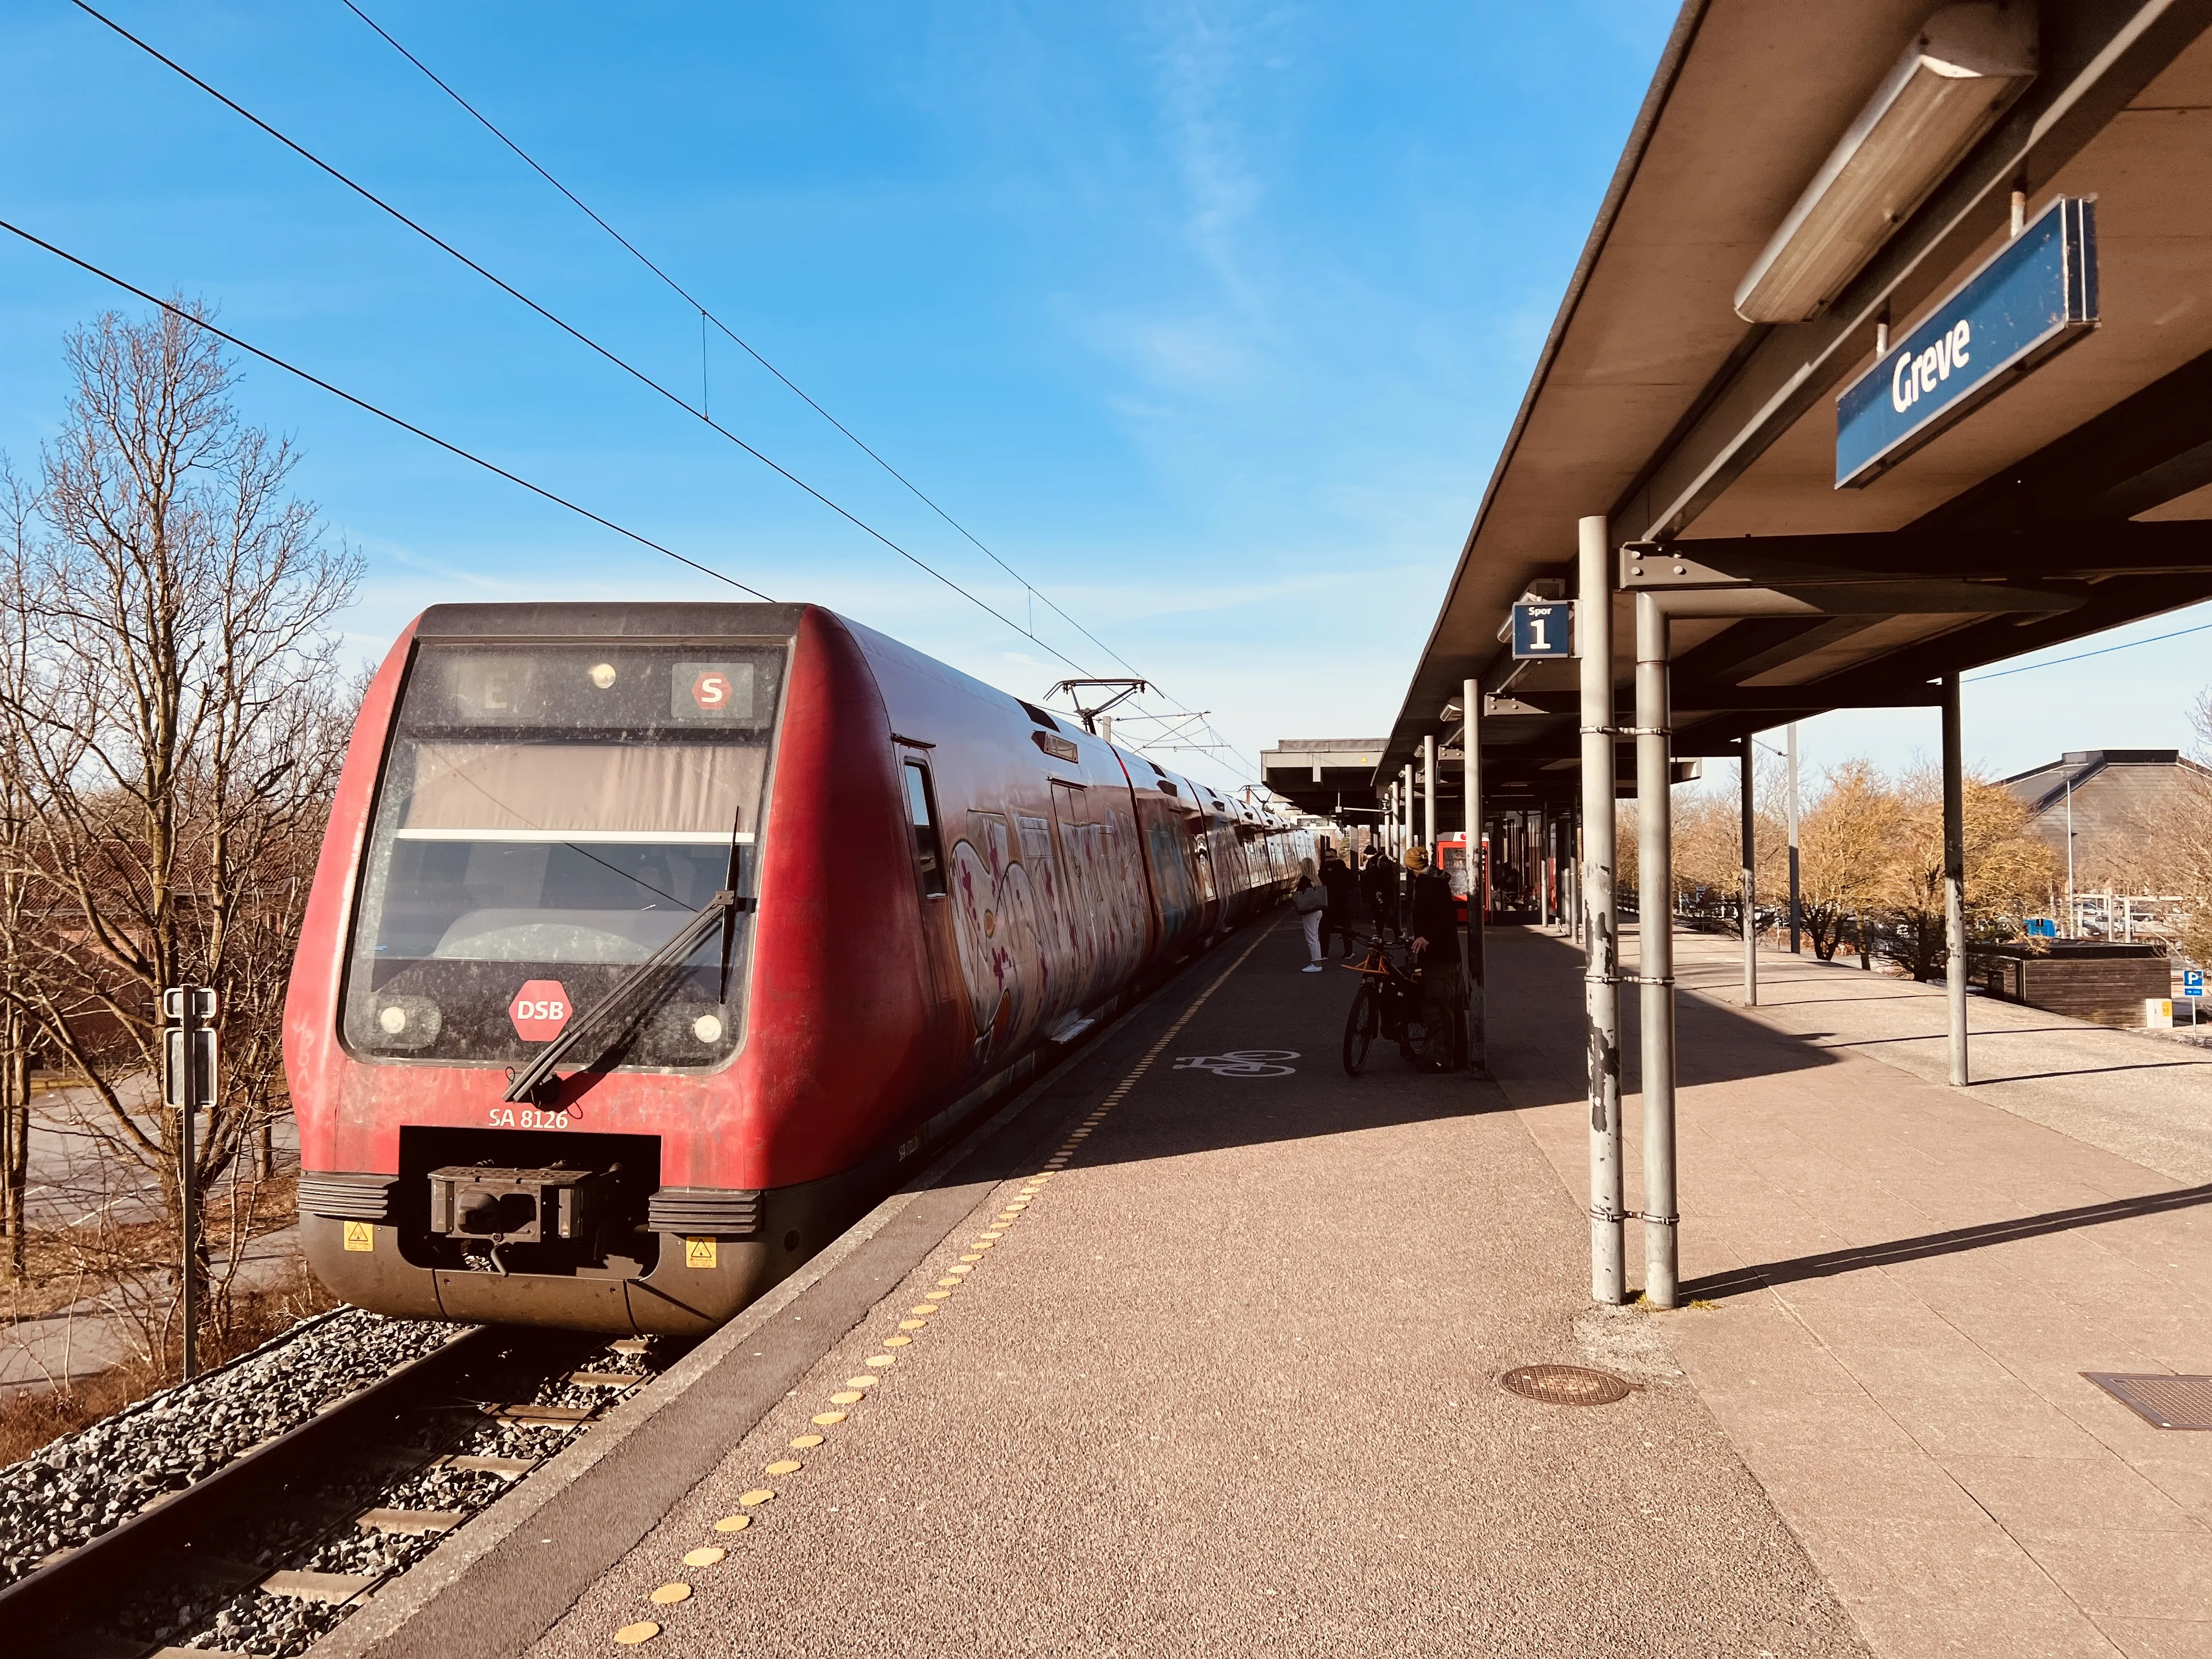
<point x="992" y="1236"/>
<point x="984" y="1242"/>
<point x="925" y="1308"/>
<point x="959" y="1267"/>
<point x="970" y="1259"/>
<point x="831" y="1419"/>
<point x="630" y="1635"/>
<point x="880" y="1360"/>
<point x="733" y="1524"/>
<point x="705" y="1556"/>
<point x="937" y="1295"/>
<point x="755" y="1497"/>
<point x="902" y="1341"/>
<point x="669" y="1595"/>
<point x="860" y="1381"/>
<point x="913" y="1325"/>
<point x="785" y="1466"/>
<point x="845" y="1397"/>
<point x="948" y="1284"/>
<point x="808" y="1442"/>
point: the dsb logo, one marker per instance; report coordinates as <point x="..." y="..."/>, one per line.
<point x="539" y="1010"/>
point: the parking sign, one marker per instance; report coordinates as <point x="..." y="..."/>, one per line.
<point x="2193" y="983"/>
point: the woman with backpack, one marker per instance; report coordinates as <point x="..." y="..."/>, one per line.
<point x="1309" y="899"/>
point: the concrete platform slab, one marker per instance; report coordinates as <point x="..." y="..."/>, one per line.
<point x="1920" y="1275"/>
<point x="1227" y="1385"/>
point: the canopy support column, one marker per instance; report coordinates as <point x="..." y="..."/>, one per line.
<point x="1796" y="909"/>
<point x="1955" y="880"/>
<point x="1655" y="929"/>
<point x="1745" y="764"/>
<point x="1470" y="748"/>
<point x="1599" y="921"/>
<point x="1428" y="793"/>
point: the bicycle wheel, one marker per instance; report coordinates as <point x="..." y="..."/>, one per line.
<point x="1359" y="1031"/>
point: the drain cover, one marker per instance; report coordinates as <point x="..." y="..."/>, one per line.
<point x="2161" y="1398"/>
<point x="1564" y="1385"/>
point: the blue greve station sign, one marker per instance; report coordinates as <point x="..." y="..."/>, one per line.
<point x="2030" y="300"/>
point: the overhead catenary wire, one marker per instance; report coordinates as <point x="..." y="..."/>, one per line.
<point x="366" y="407"/>
<point x="2083" y="656"/>
<point x="585" y="340"/>
<point x="707" y="318"/>
<point x="574" y="332"/>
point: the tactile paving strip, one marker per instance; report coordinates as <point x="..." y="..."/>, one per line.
<point x="2161" y="1398"/>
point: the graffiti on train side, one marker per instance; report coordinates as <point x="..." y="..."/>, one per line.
<point x="1048" y="914"/>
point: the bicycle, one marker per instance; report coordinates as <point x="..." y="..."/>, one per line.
<point x="1388" y="1004"/>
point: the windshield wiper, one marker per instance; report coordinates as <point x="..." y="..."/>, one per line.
<point x="719" y="911"/>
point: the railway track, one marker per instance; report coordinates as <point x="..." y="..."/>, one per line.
<point x="267" y="1553"/>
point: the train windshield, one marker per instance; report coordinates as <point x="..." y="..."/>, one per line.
<point x="549" y="816"/>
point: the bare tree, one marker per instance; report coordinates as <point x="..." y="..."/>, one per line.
<point x="177" y="715"/>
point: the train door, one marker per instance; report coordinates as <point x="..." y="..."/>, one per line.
<point x="1201" y="860"/>
<point x="1060" y="962"/>
<point x="944" y="984"/>
<point x="1079" y="896"/>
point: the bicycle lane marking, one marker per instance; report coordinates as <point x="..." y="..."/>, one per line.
<point x="1120" y="1090"/>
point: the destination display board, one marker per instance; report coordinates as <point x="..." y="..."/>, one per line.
<point x="2030" y="300"/>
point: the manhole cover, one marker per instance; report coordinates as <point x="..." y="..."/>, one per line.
<point x="2161" y="1398"/>
<point x="1564" y="1385"/>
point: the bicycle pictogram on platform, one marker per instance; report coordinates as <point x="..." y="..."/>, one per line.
<point x="1242" y="1062"/>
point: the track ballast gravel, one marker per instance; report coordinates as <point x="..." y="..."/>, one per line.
<point x="90" y="1482"/>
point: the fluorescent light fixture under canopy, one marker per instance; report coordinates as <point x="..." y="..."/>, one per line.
<point x="1964" y="66"/>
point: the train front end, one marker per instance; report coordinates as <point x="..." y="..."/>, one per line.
<point x="554" y="832"/>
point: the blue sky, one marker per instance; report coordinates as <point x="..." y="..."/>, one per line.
<point x="1208" y="318"/>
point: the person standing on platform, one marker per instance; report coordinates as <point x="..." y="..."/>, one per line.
<point x="1336" y="877"/>
<point x="1307" y="899"/>
<point x="1434" y="925"/>
<point x="1378" y="886"/>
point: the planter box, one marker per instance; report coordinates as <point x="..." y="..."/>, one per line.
<point x="2107" y="984"/>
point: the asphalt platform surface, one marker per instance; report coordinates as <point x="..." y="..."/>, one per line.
<point x="1225" y="1383"/>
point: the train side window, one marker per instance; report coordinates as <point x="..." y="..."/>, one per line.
<point x="928" y="844"/>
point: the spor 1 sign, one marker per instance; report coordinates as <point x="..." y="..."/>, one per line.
<point x="2029" y="301"/>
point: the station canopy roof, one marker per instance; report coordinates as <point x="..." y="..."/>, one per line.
<point x="1330" y="777"/>
<point x="2076" y="497"/>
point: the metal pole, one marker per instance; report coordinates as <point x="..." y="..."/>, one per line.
<point x="2073" y="910"/>
<point x="1955" y="880"/>
<point x="1470" y="746"/>
<point x="1655" y="927"/>
<point x="1750" y="881"/>
<point x="188" y="1097"/>
<point x="1406" y="806"/>
<point x="1600" y="921"/>
<point x="1544" y="864"/>
<point x="1796" y="910"/>
<point x="1428" y="793"/>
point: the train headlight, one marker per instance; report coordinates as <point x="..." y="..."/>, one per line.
<point x="707" y="1028"/>
<point x="603" y="675"/>
<point x="407" y="1022"/>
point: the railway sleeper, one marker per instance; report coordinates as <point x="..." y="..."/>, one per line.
<point x="411" y="1523"/>
<point x="305" y="1585"/>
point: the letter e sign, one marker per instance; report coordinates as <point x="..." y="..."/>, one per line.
<point x="539" y="1010"/>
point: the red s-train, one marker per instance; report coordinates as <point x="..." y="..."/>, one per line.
<point x="650" y="943"/>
